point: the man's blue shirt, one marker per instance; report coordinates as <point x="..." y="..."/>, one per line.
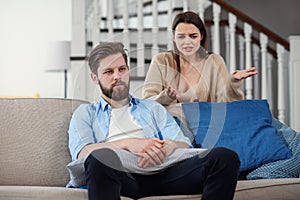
<point x="90" y="123"/>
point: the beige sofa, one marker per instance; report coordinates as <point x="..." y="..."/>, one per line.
<point x="34" y="154"/>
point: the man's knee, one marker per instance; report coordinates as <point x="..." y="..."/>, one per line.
<point x="226" y="156"/>
<point x="104" y="158"/>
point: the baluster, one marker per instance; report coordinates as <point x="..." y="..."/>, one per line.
<point x="110" y="16"/>
<point x="100" y="13"/>
<point x="201" y="9"/>
<point x="256" y="56"/>
<point x="185" y="5"/>
<point x="211" y="39"/>
<point x="216" y="19"/>
<point x="140" y="42"/>
<point x="270" y="82"/>
<point x="241" y="55"/>
<point x="263" y="48"/>
<point x="126" y="29"/>
<point x="248" y="64"/>
<point x="227" y="47"/>
<point x="88" y="22"/>
<point x="232" y="24"/>
<point x="103" y="14"/>
<point x="294" y="82"/>
<point x="202" y="5"/>
<point x="78" y="87"/>
<point x="154" y="28"/>
<point x="281" y="84"/>
<point x="95" y="27"/>
<point x="169" y="28"/>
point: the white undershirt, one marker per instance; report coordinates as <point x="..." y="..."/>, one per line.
<point x="123" y="125"/>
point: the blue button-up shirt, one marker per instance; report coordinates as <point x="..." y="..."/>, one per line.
<point x="90" y="123"/>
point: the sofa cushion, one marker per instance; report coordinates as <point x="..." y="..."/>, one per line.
<point x="243" y="126"/>
<point x="288" y="168"/>
<point x="287" y="189"/>
<point x="39" y="193"/>
<point x="34" y="141"/>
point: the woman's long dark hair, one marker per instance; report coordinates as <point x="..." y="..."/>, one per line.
<point x="190" y="18"/>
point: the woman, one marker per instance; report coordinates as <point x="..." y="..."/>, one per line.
<point x="190" y="73"/>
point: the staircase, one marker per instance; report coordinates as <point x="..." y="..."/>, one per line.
<point x="144" y="26"/>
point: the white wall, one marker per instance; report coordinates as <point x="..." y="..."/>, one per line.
<point x="26" y="27"/>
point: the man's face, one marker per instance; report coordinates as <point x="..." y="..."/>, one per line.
<point x="113" y="77"/>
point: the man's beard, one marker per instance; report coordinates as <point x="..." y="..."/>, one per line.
<point x="116" y="94"/>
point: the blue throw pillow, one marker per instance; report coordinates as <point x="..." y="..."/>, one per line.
<point x="288" y="168"/>
<point x="243" y="126"/>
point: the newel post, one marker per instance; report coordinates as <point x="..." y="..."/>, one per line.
<point x="294" y="73"/>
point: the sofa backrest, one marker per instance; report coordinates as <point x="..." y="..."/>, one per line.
<point x="34" y="141"/>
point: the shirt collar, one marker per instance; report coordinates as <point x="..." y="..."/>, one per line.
<point x="104" y="105"/>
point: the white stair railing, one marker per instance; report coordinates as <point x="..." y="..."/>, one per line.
<point x="185" y="5"/>
<point x="202" y="5"/>
<point x="169" y="26"/>
<point x="140" y="42"/>
<point x="95" y="23"/>
<point x="248" y="63"/>
<point x="126" y="40"/>
<point x="133" y="16"/>
<point x="216" y="31"/>
<point x="232" y="27"/>
<point x="282" y="84"/>
<point x="263" y="39"/>
<point x="110" y="17"/>
<point x="269" y="84"/>
<point x="257" y="79"/>
<point x="154" y="28"/>
<point x="294" y="72"/>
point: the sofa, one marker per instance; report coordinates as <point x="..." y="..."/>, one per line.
<point x="34" y="154"/>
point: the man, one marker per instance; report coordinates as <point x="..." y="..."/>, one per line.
<point x="144" y="128"/>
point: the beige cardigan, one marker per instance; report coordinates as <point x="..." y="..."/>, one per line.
<point x="215" y="84"/>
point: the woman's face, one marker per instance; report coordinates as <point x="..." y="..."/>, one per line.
<point x="187" y="38"/>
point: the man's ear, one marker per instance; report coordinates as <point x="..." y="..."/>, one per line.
<point x="94" y="78"/>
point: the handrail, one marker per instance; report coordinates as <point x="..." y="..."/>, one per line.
<point x="254" y="24"/>
<point x="240" y="31"/>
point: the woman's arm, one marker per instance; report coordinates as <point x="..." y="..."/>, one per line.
<point x="154" y="86"/>
<point x="227" y="87"/>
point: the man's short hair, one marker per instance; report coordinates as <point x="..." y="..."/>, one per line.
<point x="102" y="51"/>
